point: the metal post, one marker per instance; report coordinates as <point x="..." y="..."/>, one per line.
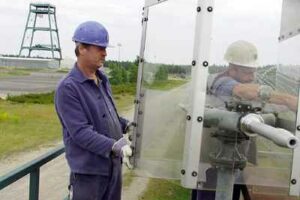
<point x="224" y="184"/>
<point x="28" y="17"/>
<point x="51" y="36"/>
<point x="139" y="101"/>
<point x="34" y="185"/>
<point x="33" y="31"/>
<point x="119" y="53"/>
<point x="58" y="42"/>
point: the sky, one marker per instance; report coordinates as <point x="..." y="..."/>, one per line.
<point x="171" y="27"/>
<point x="256" y="21"/>
<point x="121" y="18"/>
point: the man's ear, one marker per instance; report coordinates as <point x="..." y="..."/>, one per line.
<point x="232" y="71"/>
<point x="82" y="50"/>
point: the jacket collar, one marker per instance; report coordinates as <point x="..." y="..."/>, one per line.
<point x="78" y="75"/>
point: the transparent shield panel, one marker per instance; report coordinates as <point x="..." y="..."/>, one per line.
<point x="244" y="100"/>
<point x="165" y="84"/>
<point x="290" y="19"/>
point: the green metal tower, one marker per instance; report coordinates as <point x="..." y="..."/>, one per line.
<point x="37" y="26"/>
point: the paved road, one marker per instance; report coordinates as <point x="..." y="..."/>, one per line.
<point x="34" y="83"/>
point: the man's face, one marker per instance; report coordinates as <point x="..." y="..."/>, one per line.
<point x="97" y="55"/>
<point x="94" y="56"/>
<point x="245" y="74"/>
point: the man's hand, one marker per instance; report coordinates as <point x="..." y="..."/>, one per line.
<point x="122" y="148"/>
<point x="127" y="153"/>
<point x="129" y="127"/>
<point x="265" y="92"/>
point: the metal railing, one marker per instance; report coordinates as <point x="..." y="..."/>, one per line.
<point x="32" y="168"/>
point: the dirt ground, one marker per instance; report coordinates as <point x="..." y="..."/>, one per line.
<point x="54" y="178"/>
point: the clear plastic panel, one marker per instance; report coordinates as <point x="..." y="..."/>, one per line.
<point x="166" y="76"/>
<point x="243" y="87"/>
<point x="290" y="23"/>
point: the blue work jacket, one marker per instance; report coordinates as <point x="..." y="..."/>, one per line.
<point x="81" y="109"/>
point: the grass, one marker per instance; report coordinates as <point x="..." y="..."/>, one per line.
<point x="124" y="89"/>
<point x="127" y="178"/>
<point x="123" y="94"/>
<point x="29" y="121"/>
<point x="12" y="71"/>
<point x="165" y="85"/>
<point x="124" y="102"/>
<point x="63" y="70"/>
<point x="44" y="98"/>
<point x="159" y="189"/>
<point x="25" y="126"/>
<point x="26" y="71"/>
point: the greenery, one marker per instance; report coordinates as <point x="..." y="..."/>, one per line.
<point x="159" y="189"/>
<point x="164" y="85"/>
<point x="124" y="89"/>
<point x="161" y="74"/>
<point x="12" y="71"/>
<point x="119" y="91"/>
<point x="126" y="72"/>
<point x="122" y="72"/>
<point x="124" y="102"/>
<point x="26" y="71"/>
<point x="63" y="70"/>
<point x="44" y="98"/>
<point x="24" y="126"/>
<point x="29" y="121"/>
<point x="128" y="177"/>
<point x="216" y="69"/>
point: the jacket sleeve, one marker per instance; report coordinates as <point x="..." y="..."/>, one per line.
<point x="74" y="120"/>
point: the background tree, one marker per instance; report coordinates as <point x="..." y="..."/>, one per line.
<point x="161" y="74"/>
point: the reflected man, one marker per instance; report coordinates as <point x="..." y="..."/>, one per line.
<point x="236" y="84"/>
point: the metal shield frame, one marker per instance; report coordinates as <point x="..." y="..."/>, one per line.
<point x="139" y="101"/>
<point x="149" y="3"/>
<point x="195" y="114"/>
<point x="290" y="24"/>
<point x="290" y="27"/>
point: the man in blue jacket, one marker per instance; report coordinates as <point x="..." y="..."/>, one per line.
<point x="92" y="128"/>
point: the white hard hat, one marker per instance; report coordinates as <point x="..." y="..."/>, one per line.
<point x="242" y="53"/>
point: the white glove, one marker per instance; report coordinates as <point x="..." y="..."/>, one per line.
<point x="122" y="148"/>
<point x="127" y="152"/>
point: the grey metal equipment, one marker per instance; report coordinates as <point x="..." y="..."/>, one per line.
<point x="236" y="125"/>
<point x="250" y="125"/>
